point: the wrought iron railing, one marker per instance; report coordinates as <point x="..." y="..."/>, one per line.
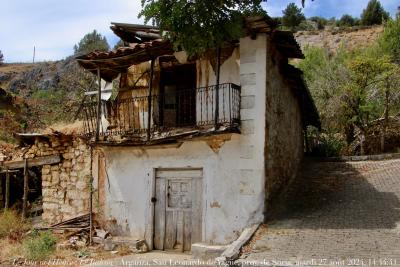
<point x="169" y="110"/>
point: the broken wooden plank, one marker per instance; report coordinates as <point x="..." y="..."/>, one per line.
<point x="96" y="92"/>
<point x="38" y="161"/>
<point x="233" y="250"/>
<point x="64" y="229"/>
<point x="79" y="219"/>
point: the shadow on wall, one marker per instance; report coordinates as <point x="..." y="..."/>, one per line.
<point x="341" y="195"/>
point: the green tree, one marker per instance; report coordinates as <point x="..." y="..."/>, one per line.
<point x="91" y="42"/>
<point x="347" y="21"/>
<point x="370" y="76"/>
<point x="1" y="58"/>
<point x="197" y="26"/>
<point x="321" y="22"/>
<point x="119" y="44"/>
<point x="374" y="14"/>
<point x="389" y="40"/>
<point x="292" y="16"/>
<point x="326" y="76"/>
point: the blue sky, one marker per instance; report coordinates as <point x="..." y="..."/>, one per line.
<point x="55" y="26"/>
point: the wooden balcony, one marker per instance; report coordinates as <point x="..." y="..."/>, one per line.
<point x="173" y="113"/>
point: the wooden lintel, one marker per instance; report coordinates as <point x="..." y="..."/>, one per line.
<point x="9" y="171"/>
<point x="38" y="161"/>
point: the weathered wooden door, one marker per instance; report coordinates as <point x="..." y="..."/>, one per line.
<point x="177" y="218"/>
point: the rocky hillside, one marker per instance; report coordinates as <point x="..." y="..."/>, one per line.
<point x="333" y="39"/>
<point x="41" y="94"/>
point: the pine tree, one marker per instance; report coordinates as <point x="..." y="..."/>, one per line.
<point x="119" y="44"/>
<point x="91" y="42"/>
<point x="374" y="14"/>
<point x="347" y="21"/>
<point x="292" y="16"/>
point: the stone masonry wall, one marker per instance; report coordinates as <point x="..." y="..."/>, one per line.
<point x="66" y="185"/>
<point x="284" y="135"/>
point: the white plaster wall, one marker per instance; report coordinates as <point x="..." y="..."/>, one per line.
<point x="233" y="182"/>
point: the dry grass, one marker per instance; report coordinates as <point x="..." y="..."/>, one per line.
<point x="12" y="226"/>
<point x="9" y="250"/>
<point x="15" y="67"/>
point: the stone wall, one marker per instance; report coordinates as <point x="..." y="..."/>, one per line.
<point x="284" y="130"/>
<point x="65" y="186"/>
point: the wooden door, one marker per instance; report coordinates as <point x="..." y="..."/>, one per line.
<point x="177" y="218"/>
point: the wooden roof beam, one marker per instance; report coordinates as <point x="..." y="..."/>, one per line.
<point x="38" y="161"/>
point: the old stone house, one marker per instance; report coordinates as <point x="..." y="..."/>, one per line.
<point x="181" y="150"/>
<point x="183" y="155"/>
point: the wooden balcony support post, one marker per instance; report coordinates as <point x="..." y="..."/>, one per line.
<point x="26" y="189"/>
<point x="216" y="123"/>
<point x="149" y="99"/>
<point x="98" y="124"/>
<point x="7" y="204"/>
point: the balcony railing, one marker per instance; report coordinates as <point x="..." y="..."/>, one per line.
<point x="189" y="108"/>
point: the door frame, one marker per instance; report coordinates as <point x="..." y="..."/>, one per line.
<point x="150" y="230"/>
<point x="189" y="90"/>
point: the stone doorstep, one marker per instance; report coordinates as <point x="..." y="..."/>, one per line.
<point x="206" y="252"/>
<point x="112" y="243"/>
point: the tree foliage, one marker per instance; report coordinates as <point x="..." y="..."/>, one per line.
<point x="368" y="75"/>
<point x="292" y="16"/>
<point x="197" y="26"/>
<point x="91" y="42"/>
<point x="347" y="21"/>
<point x="352" y="89"/>
<point x="119" y="44"/>
<point x="374" y="14"/>
<point x="389" y="41"/>
<point x="321" y="22"/>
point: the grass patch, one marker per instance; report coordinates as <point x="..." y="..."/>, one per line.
<point x="12" y="226"/>
<point x="40" y="245"/>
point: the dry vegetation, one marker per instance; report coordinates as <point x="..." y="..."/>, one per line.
<point x="18" y="242"/>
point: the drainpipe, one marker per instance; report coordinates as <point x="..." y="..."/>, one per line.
<point x="98" y="105"/>
<point x="217" y="89"/>
<point x="149" y="99"/>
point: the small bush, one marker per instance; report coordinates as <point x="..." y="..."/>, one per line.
<point x="328" y="145"/>
<point x="11" y="225"/>
<point x="40" y="245"/>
